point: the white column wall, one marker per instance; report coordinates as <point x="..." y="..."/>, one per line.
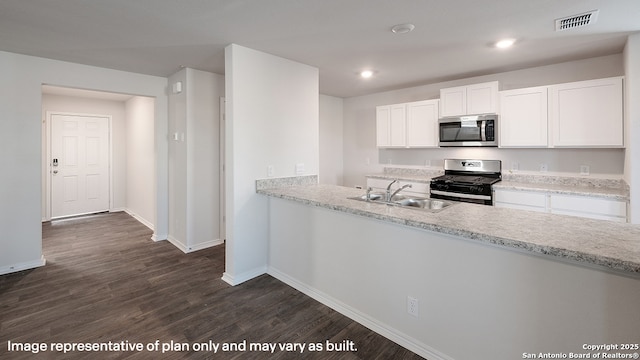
<point x="140" y="145"/>
<point x="272" y="120"/>
<point x="204" y="90"/>
<point x="194" y="159"/>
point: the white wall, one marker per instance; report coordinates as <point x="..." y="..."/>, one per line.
<point x="331" y="140"/>
<point x="79" y="105"/>
<point x="178" y="161"/>
<point x="632" y="117"/>
<point x="272" y="120"/>
<point x="140" y="154"/>
<point x="360" y="140"/>
<point x="21" y="185"/>
<point x="204" y="90"/>
<point x="476" y="301"/>
<point x="194" y="160"/>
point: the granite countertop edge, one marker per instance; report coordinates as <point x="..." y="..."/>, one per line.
<point x="607" y="193"/>
<point x="626" y="266"/>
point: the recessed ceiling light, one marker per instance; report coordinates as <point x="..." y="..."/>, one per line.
<point x="402" y="28"/>
<point x="366" y="74"/>
<point x="505" y="43"/>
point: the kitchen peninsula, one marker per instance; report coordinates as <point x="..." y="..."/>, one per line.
<point x="501" y="281"/>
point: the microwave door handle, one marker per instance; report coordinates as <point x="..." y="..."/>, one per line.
<point x="483" y="131"/>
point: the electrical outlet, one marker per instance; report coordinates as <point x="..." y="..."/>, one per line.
<point x="544" y="167"/>
<point x="270" y="170"/>
<point x="584" y="169"/>
<point x="300" y="169"/>
<point x="515" y="166"/>
<point x="412" y="306"/>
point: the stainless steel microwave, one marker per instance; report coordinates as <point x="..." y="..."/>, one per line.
<point x="473" y="130"/>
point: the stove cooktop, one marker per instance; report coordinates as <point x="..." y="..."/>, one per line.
<point x="466" y="179"/>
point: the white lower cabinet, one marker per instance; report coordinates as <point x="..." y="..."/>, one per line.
<point x="574" y="205"/>
<point x="520" y="200"/>
<point x="594" y="208"/>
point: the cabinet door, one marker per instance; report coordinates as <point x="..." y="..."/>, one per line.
<point x="587" y="113"/>
<point x="383" y="126"/>
<point x="398" y="125"/>
<point x="422" y="123"/>
<point x="453" y="101"/>
<point x="523" y="117"/>
<point x="482" y="98"/>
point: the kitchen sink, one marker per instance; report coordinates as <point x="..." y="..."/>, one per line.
<point x="424" y="203"/>
<point x="372" y="197"/>
<point x="418" y="203"/>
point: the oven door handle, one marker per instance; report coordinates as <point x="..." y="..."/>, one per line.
<point x="464" y="196"/>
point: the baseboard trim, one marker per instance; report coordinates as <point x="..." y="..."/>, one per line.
<point x="390" y="333"/>
<point x="234" y="280"/>
<point x="177" y="243"/>
<point x="189" y="249"/>
<point x="23" y="266"/>
<point x="204" y="245"/>
<point x="157" y="238"/>
<point x="140" y="219"/>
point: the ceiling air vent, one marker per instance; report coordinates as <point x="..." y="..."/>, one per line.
<point x="577" y="21"/>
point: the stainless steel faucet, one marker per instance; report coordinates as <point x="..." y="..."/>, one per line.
<point x="398" y="190"/>
<point x="388" y="193"/>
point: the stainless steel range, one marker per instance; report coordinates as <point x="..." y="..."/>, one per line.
<point x="467" y="180"/>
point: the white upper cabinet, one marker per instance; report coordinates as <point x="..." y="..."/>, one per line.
<point x="587" y="113"/>
<point x="411" y="124"/>
<point x="523" y="117"/>
<point x="422" y="123"/>
<point x="469" y="100"/>
<point x="391" y="125"/>
<point x="383" y="126"/>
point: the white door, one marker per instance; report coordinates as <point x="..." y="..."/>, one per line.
<point x="79" y="165"/>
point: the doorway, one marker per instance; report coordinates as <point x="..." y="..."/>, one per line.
<point x="79" y="164"/>
<point x="128" y="183"/>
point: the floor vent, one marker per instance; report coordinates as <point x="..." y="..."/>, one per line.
<point x="576" y="21"/>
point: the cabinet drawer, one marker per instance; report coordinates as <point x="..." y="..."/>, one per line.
<point x="527" y="199"/>
<point x="585" y="205"/>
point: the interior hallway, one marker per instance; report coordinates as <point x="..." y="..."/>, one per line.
<point x="106" y="281"/>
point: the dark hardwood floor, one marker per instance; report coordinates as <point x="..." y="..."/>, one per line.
<point x="105" y="280"/>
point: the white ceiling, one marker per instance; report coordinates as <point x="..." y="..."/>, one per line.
<point x="452" y="39"/>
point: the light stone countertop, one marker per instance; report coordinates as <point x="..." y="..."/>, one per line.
<point x="580" y="186"/>
<point x="606" y="244"/>
<point x="412" y="178"/>
<point x="592" y="191"/>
